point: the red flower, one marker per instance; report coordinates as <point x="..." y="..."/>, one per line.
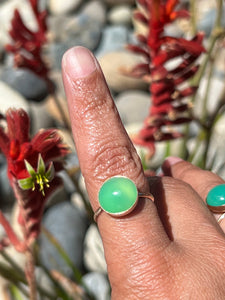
<point x="169" y="96"/>
<point x="30" y="171"/>
<point x="27" y="45"/>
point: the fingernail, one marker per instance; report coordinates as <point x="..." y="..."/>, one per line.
<point x="172" y="160"/>
<point x="78" y="62"/>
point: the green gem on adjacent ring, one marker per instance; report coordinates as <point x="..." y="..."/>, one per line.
<point x="118" y="196"/>
<point x="216" y="198"/>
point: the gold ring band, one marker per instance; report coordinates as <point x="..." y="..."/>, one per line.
<point x="99" y="210"/>
<point x="220" y="219"/>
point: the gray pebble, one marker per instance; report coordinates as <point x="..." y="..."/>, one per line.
<point x="68" y="226"/>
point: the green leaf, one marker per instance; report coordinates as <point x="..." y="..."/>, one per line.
<point x="29" y="168"/>
<point x="50" y="172"/>
<point x="26" y="183"/>
<point x="41" y="165"/>
<point x="16" y="293"/>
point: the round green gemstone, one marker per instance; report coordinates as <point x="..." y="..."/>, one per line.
<point x="118" y="195"/>
<point x="216" y="196"/>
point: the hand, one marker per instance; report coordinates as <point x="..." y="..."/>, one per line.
<point x="170" y="249"/>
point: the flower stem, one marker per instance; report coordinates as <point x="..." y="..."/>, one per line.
<point x="193" y="16"/>
<point x="205" y="99"/>
<point x="14" y="265"/>
<point x="217" y="31"/>
<point x="58" y="105"/>
<point x="62" y="252"/>
<point x="206" y="131"/>
<point x="13" y="277"/>
<point x="30" y="268"/>
<point x="16" y="275"/>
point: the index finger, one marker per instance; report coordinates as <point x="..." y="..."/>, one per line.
<point x="105" y="150"/>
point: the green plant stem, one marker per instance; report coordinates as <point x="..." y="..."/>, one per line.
<point x="216" y="114"/>
<point x="199" y="140"/>
<point x="206" y="131"/>
<point x="12" y="263"/>
<point x="58" y="105"/>
<point x="61" y="111"/>
<point x="16" y="275"/>
<point x="216" y="33"/>
<point x="183" y="150"/>
<point x="15" y="292"/>
<point x="193" y="16"/>
<point x="13" y="277"/>
<point x="205" y="98"/>
<point x="60" y="291"/>
<point x="64" y="255"/>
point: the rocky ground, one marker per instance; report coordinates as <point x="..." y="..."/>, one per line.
<point x="105" y="27"/>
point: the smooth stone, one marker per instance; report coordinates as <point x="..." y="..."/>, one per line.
<point x="121" y="15"/>
<point x="68" y="226"/>
<point x="57" y="27"/>
<point x="54" y="111"/>
<point x="117" y="2"/>
<point x="215" y="92"/>
<point x="57" y="197"/>
<point x="98" y="285"/>
<point x="41" y="118"/>
<point x="59" y="7"/>
<point x="26" y="82"/>
<point x="77" y="30"/>
<point x="114" y="38"/>
<point x="216" y="154"/>
<point x="44" y="281"/>
<point x="216" y="196"/>
<point x="11" y="98"/>
<point x="219" y="64"/>
<point x="94" y="258"/>
<point x="6" y="193"/>
<point x="56" y="51"/>
<point x="88" y="31"/>
<point x="206" y="16"/>
<point x="207" y="22"/>
<point x="112" y="65"/>
<point x="118" y="195"/>
<point x="133" y="106"/>
<point x="173" y="30"/>
<point x="2" y="51"/>
<point x="78" y="202"/>
<point x="89" y="9"/>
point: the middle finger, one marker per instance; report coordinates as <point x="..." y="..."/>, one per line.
<point x="202" y="181"/>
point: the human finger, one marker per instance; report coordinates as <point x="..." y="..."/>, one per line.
<point x="105" y="150"/>
<point x="202" y="181"/>
<point x="182" y="211"/>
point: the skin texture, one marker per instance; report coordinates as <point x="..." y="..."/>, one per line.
<point x="170" y="249"/>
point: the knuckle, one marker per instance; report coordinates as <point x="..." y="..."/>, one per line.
<point x="186" y="173"/>
<point x="176" y="186"/>
<point x="113" y="159"/>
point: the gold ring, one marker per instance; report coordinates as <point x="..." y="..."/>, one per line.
<point x="118" y="196"/>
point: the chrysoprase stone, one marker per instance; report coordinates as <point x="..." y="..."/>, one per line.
<point x="216" y="196"/>
<point x="118" y="195"/>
